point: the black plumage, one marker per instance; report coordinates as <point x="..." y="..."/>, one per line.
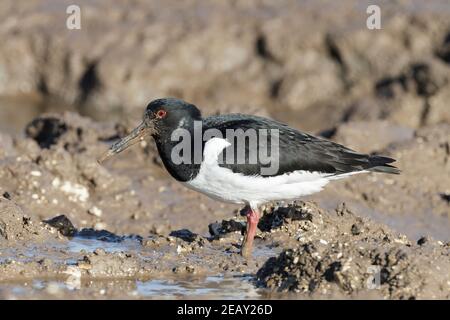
<point x="297" y="150"/>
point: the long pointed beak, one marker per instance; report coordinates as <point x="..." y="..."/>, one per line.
<point x="135" y="136"/>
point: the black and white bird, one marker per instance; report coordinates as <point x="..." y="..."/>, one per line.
<point x="305" y="163"/>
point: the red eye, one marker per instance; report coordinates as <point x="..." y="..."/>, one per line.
<point x="161" y="114"/>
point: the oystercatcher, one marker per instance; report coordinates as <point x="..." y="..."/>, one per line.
<point x="234" y="169"/>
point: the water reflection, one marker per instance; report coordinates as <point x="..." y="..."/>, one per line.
<point x="212" y="287"/>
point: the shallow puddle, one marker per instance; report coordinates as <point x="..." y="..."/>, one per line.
<point x="79" y="244"/>
<point x="212" y="287"/>
<point x="219" y="286"/>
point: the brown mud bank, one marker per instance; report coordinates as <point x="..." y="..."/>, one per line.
<point x="324" y="254"/>
<point x="308" y="63"/>
<point x="339" y="253"/>
<point x="72" y="228"/>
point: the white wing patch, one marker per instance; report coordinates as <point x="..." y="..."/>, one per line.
<point x="213" y="147"/>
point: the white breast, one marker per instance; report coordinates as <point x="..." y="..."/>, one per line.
<point x="225" y="185"/>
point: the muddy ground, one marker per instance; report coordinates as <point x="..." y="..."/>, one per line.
<point x="70" y="228"/>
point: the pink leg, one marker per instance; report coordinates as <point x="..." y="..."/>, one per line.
<point x="252" y="224"/>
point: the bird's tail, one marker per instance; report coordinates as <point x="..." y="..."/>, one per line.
<point x="381" y="164"/>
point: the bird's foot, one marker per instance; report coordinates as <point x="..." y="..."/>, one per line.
<point x="252" y="224"/>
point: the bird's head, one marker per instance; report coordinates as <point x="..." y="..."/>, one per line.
<point x="161" y="116"/>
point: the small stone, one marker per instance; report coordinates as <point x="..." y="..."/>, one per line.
<point x="445" y="196"/>
<point x="99" y="252"/>
<point x="56" y="182"/>
<point x="422" y="241"/>
<point x="135" y="216"/>
<point x="356" y="229"/>
<point x="224" y="227"/>
<point x="214" y="229"/>
<point x="45" y="262"/>
<point x="36" y="173"/>
<point x="95" y="211"/>
<point x="100" y="226"/>
<point x="184" y="234"/>
<point x="190" y="269"/>
<point x="176" y="270"/>
<point x="180" y="249"/>
<point x="63" y="225"/>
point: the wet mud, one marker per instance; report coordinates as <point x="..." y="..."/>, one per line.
<point x="71" y="228"/>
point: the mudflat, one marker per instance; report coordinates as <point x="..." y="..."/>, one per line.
<point x="70" y="228"/>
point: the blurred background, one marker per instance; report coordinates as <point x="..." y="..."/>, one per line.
<point x="312" y="64"/>
<point x="66" y="94"/>
<point x="309" y="63"/>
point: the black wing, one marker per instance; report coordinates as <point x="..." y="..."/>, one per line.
<point x="297" y="150"/>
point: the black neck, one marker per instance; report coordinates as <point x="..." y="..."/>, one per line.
<point x="184" y="171"/>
